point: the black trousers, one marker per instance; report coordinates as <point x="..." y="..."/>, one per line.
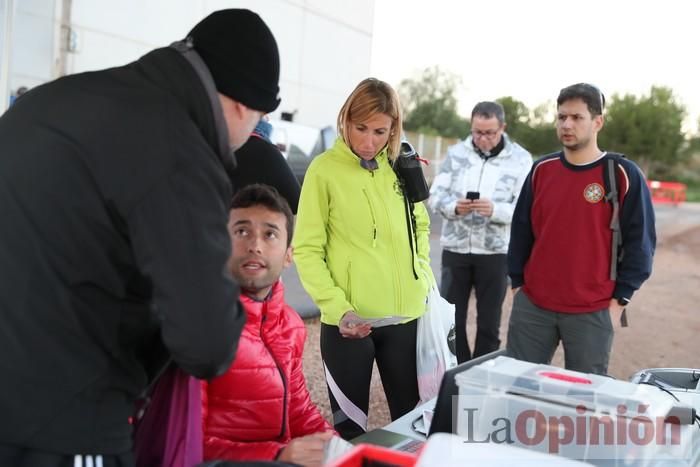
<point x="25" y="457"/>
<point x="348" y="365"/>
<point x="487" y="275"/>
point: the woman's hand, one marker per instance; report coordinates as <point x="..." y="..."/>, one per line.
<point x="353" y="330"/>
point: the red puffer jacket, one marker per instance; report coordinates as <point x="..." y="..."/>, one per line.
<point x="261" y="403"/>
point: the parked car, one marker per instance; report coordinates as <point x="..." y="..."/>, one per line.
<point x="300" y="143"/>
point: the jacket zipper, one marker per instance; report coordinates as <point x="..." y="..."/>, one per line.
<point x="478" y="188"/>
<point x="394" y="242"/>
<point x="279" y="369"/>
<point x="374" y="218"/>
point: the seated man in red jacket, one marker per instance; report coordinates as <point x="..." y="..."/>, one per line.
<point x="260" y="408"/>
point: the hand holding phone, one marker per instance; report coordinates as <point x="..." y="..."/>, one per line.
<point x="465" y="205"/>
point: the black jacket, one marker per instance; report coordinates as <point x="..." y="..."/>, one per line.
<point x="114" y="200"/>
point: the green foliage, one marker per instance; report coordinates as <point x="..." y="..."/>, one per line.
<point x="430" y="105"/>
<point x="517" y="115"/>
<point x="529" y="129"/>
<point x="647" y="129"/>
<point x="691" y="148"/>
<point x="540" y="140"/>
<point x="692" y="193"/>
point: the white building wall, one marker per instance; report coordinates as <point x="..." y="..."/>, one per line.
<point x="28" y="58"/>
<point x="325" y="46"/>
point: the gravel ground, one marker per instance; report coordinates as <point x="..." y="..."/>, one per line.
<point x="664" y="324"/>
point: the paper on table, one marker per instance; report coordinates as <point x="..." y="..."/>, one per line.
<point x="426" y="420"/>
<point x="352" y="318"/>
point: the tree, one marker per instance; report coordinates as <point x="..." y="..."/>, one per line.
<point x="430" y="105"/>
<point x="689" y="171"/>
<point x="517" y="116"/>
<point x="647" y="129"/>
<point x="533" y="130"/>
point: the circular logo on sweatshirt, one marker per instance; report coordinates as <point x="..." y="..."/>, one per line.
<point x="593" y="193"/>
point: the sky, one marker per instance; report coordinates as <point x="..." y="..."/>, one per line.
<point x="530" y="49"/>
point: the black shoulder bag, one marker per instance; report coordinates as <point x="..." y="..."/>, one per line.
<point x="415" y="189"/>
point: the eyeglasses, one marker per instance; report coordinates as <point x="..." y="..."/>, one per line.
<point x="485" y="134"/>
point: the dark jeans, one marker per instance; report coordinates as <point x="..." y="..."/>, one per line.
<point x="534" y="334"/>
<point x="348" y="365"/>
<point x="487" y="275"/>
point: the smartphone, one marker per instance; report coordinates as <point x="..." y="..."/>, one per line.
<point x="472" y="195"/>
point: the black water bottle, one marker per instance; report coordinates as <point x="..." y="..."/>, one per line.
<point x="408" y="168"/>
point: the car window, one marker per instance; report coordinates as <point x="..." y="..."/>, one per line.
<point x="300" y="143"/>
<point x="288" y="134"/>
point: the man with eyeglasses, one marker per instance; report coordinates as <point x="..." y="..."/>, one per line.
<point x="578" y="252"/>
<point x="475" y="192"/>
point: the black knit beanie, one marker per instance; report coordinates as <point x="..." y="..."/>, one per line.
<point x="241" y="54"/>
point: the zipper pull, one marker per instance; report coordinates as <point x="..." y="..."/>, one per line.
<point x="374" y="237"/>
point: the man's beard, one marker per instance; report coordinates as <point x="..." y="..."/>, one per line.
<point x="572" y="146"/>
<point x="254" y="285"/>
<point x="579" y="144"/>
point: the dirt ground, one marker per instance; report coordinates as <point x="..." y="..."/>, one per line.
<point x="664" y="323"/>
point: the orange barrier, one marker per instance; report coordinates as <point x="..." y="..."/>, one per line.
<point x="667" y="192"/>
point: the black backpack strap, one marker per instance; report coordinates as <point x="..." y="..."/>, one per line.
<point x="611" y="196"/>
<point x="410" y="218"/>
<point x="412" y="236"/>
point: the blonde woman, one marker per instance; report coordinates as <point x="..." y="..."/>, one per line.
<point x="353" y="255"/>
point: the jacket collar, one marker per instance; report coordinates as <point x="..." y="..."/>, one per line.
<point x="272" y="305"/>
<point x="505" y="152"/>
<point x="186" y="48"/>
<point x="176" y="72"/>
<point x="345" y="154"/>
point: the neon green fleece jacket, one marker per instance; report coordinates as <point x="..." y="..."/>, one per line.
<point x="351" y="245"/>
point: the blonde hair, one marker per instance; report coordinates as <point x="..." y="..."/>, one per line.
<point x="369" y="98"/>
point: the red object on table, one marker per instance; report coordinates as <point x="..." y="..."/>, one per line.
<point x="366" y="454"/>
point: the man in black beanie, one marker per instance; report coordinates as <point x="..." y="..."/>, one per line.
<point x="114" y="190"/>
<point x="246" y="77"/>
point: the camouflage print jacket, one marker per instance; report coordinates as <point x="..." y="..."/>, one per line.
<point x="499" y="179"/>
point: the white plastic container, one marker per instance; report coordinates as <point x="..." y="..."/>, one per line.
<point x="576" y="415"/>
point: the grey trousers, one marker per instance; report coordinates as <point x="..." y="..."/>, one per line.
<point x="534" y="334"/>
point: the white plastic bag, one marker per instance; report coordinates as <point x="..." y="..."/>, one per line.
<point x="433" y="355"/>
